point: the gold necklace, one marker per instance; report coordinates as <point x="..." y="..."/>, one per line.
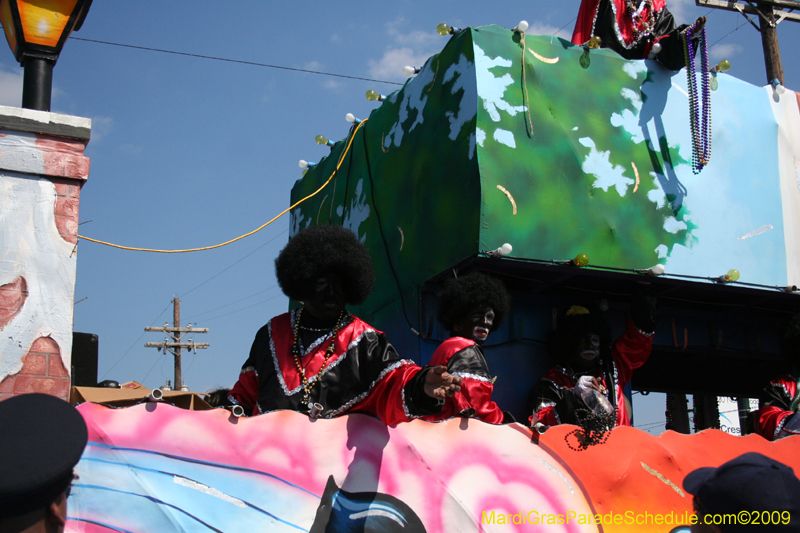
<point x="328" y="353"/>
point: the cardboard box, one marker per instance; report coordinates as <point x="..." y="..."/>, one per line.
<point x="132" y="393"/>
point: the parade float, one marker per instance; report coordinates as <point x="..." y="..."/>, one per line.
<point x="573" y="175"/>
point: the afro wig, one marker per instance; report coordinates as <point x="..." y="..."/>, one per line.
<point x="321" y="250"/>
<point x="461" y="296"/>
<point x="573" y="327"/>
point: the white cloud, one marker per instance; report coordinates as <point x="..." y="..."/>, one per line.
<point x="538" y="28"/>
<point x="10" y="87"/>
<point x="680" y="9"/>
<point x="332" y="84"/>
<point x="404" y="48"/>
<point x="101" y="126"/>
<point x="390" y="66"/>
<point x="725" y="51"/>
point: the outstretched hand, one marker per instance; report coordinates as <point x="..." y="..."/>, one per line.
<point x="440" y="384"/>
<point x="699" y="24"/>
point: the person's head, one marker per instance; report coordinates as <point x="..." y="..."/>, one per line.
<point x="473" y="305"/>
<point x="790" y="341"/>
<point x="581" y="338"/>
<point x="41" y="441"/>
<point x="751" y="482"/>
<point x="325" y="267"/>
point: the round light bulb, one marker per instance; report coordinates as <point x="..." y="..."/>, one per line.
<point x="409" y="71"/>
<point x="321" y="139"/>
<point x="350" y="117"/>
<point x="372" y="95"/>
<point x="732" y="275"/>
<point x="444" y="29"/>
<point x="302" y="163"/>
<point x="595" y="42"/>
<point x="522" y="27"/>
<point x="723" y="65"/>
<point x="581" y="260"/>
<point x="780" y="89"/>
<point x="657" y="270"/>
<point x="506" y="249"/>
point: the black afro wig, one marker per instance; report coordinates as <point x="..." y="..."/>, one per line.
<point x="461" y="296"/>
<point x="573" y="327"/>
<point x="321" y="250"/>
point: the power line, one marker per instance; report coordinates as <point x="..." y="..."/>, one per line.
<point x="193" y="317"/>
<point x="134" y="344"/>
<point x="233" y="264"/>
<point x="240" y="61"/>
<point x="242" y="309"/>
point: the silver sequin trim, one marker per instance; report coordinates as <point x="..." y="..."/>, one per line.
<point x="779" y="427"/>
<point x="620" y="38"/>
<point x="338" y="357"/>
<point x="472" y="376"/>
<point x="363" y="395"/>
<point x="405" y="406"/>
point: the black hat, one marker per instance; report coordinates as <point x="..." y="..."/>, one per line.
<point x="41" y="440"/>
<point x="750" y="482"/>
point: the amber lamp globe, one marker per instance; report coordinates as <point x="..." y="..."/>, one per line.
<point x="36" y="31"/>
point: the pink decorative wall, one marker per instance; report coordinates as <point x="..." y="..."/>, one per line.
<point x="42" y="170"/>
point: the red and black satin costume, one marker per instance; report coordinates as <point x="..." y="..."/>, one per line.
<point x="609" y="20"/>
<point x="464" y="358"/>
<point x="775" y="406"/>
<point x="553" y="401"/>
<point x="364" y="374"/>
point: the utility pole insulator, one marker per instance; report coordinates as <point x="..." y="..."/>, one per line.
<point x="175" y="346"/>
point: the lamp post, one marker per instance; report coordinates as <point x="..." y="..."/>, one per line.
<point x="36" y="31"/>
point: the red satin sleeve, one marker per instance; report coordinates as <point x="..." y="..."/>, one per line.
<point x="245" y="392"/>
<point x="768" y="419"/>
<point x="386" y="399"/>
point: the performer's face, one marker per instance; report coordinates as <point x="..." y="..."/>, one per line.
<point x="587" y="351"/>
<point x="327" y="299"/>
<point x="476" y="325"/>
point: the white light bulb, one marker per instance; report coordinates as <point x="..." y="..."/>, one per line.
<point x="522" y="27"/>
<point x="303" y="163"/>
<point x="657" y="270"/>
<point x="780" y="89"/>
<point x="656" y="49"/>
<point x="352" y="118"/>
<point x="409" y="70"/>
<point x="506" y="248"/>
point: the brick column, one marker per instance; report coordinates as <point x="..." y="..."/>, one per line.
<point x="42" y="170"/>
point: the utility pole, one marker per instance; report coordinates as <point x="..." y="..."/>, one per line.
<point x="173" y="344"/>
<point x="769" y="14"/>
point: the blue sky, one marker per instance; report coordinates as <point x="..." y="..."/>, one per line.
<point x="190" y="152"/>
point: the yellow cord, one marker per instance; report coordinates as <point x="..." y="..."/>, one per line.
<point x="339" y="164"/>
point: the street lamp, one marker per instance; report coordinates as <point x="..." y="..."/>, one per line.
<point x="36" y="31"/>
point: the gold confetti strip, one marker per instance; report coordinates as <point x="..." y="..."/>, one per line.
<point x="402" y="237"/>
<point x="665" y="480"/>
<point x="636" y="173"/>
<point x="544" y="59"/>
<point x="510" y="198"/>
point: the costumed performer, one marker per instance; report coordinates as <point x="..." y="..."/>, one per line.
<point x="635" y="29"/>
<point x="777" y="418"/>
<point x="471" y="307"/>
<point x="41" y="440"/>
<point x="591" y="373"/>
<point x="321" y="360"/>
